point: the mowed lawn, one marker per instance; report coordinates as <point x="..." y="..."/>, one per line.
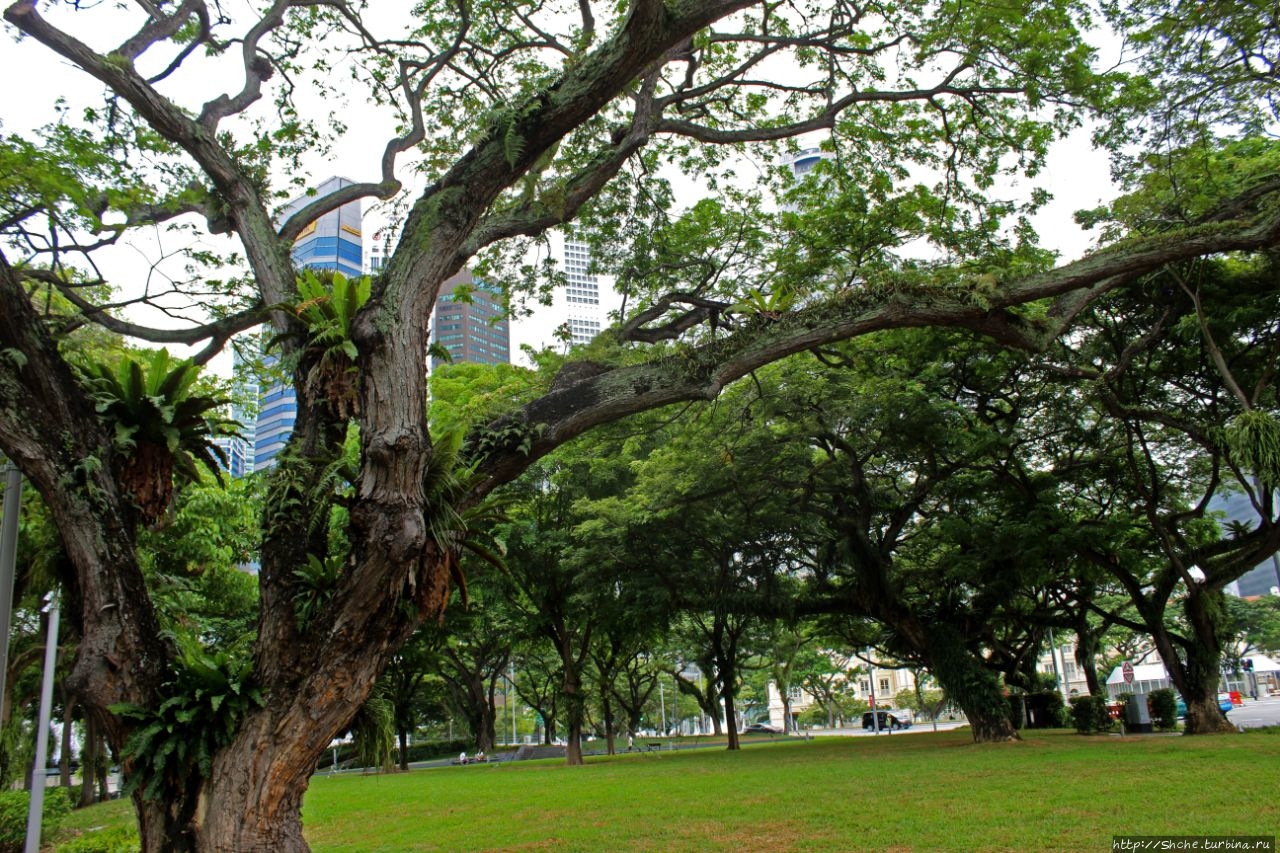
<point x="923" y="791"/>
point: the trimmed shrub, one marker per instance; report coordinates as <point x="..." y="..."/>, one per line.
<point x="13" y="815"/>
<point x="1046" y="710"/>
<point x="1164" y="709"/>
<point x="1089" y="714"/>
<point x="431" y="750"/>
<point x="1015" y="709"/>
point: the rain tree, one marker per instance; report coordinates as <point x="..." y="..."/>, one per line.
<point x="518" y="118"/>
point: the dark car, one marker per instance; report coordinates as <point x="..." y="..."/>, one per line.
<point x="764" y="728"/>
<point x="888" y="721"/>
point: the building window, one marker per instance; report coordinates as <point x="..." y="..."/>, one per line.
<point x="884" y="685"/>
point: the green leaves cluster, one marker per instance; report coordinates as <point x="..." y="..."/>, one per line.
<point x="156" y="402"/>
<point x="208" y="696"/>
<point x="327" y="304"/>
<point x="163" y="424"/>
<point x="315" y="582"/>
<point x="1254" y="439"/>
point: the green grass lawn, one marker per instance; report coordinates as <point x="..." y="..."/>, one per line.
<point x="1053" y="791"/>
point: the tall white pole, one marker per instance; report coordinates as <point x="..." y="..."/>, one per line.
<point x="675" y="703"/>
<point x="36" y="810"/>
<point x="662" y="703"/>
<point x="8" y="562"/>
<point x="1059" y="675"/>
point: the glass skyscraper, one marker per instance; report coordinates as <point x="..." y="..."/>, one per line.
<point x="473" y="329"/>
<point x="332" y="242"/>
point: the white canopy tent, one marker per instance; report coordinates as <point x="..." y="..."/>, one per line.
<point x="1153" y="676"/>
<point x="1146" y="678"/>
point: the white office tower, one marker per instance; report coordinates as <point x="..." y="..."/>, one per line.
<point x="585" y="316"/>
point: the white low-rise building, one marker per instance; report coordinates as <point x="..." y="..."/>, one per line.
<point x="863" y="682"/>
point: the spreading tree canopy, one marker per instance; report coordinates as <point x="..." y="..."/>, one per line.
<point x="515" y="118"/>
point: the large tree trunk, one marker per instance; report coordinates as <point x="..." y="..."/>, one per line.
<point x="610" y="728"/>
<point x="574" y="712"/>
<point x="64" y="752"/>
<point x="942" y="646"/>
<point x="88" y="763"/>
<point x="731" y="718"/>
<point x="969" y="684"/>
<point x="1197" y="673"/>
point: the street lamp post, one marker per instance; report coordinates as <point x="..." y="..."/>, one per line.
<point x="8" y="561"/>
<point x="511" y="691"/>
<point x="662" y="703"/>
<point x="675" y="703"/>
<point x="36" y="810"/>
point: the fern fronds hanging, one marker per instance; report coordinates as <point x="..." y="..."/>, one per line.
<point x="1253" y="440"/>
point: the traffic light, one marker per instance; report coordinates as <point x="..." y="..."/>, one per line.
<point x="1248" y="664"/>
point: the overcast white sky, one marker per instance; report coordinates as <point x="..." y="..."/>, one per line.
<point x="1076" y="175"/>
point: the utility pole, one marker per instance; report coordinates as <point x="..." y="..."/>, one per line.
<point x="8" y="562"/>
<point x="36" y="811"/>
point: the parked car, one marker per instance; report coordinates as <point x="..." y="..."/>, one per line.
<point x="763" y="728"/>
<point x="1224" y="704"/>
<point x="889" y="720"/>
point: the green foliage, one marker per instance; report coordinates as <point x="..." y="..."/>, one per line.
<point x="1089" y="714"/>
<point x="1164" y="708"/>
<point x="1179" y="188"/>
<point x="1201" y="69"/>
<point x="208" y="696"/>
<point x="374" y="731"/>
<point x="315" y="583"/>
<point x="163" y="425"/>
<point x="327" y="304"/>
<point x="1254" y="439"/>
<point x="1044" y="709"/>
<point x="14" y="806"/>
<point x="118" y="839"/>
<point x="17" y="749"/>
<point x="194" y="562"/>
<point x="470" y="395"/>
<point x="214" y="525"/>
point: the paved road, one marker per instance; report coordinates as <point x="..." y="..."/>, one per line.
<point x="1255" y="714"/>
<point x="915" y="729"/>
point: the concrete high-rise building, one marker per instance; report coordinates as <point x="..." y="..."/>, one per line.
<point x="582" y="294"/>
<point x="802" y="162"/>
<point x="473" y="328"/>
<point x="332" y="242"/>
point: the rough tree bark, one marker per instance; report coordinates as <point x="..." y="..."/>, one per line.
<point x="1195" y="665"/>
